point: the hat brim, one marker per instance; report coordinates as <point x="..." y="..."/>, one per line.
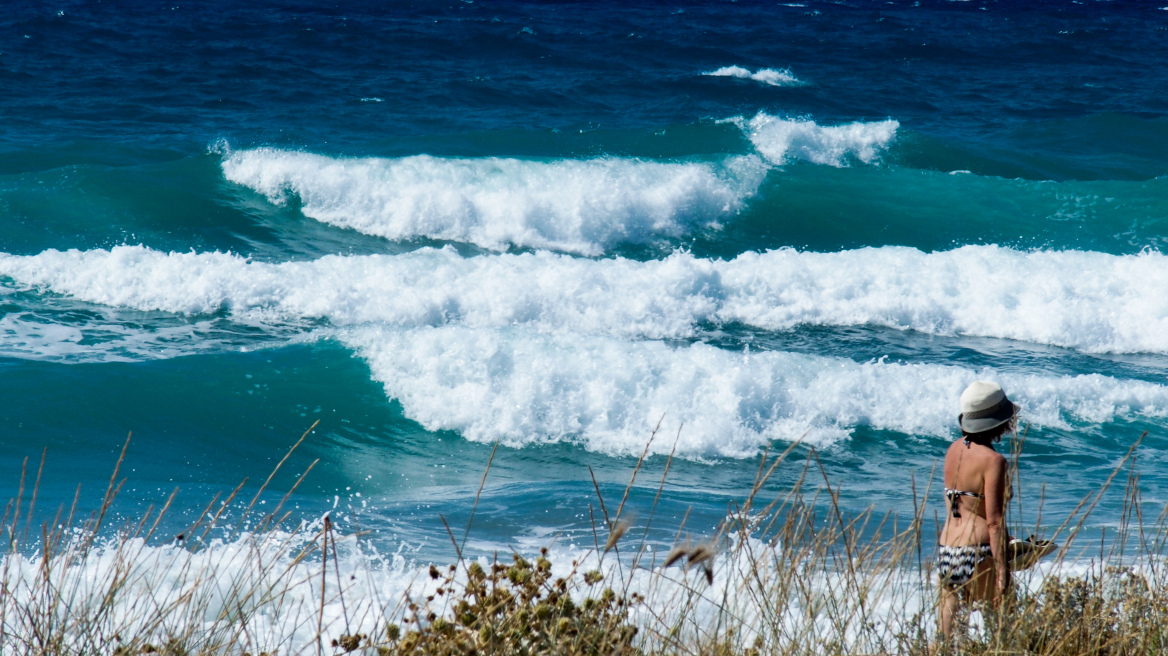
<point x="986" y="420"/>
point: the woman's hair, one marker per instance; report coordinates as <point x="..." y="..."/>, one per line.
<point x="988" y="436"/>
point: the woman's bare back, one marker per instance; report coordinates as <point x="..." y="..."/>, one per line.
<point x="978" y="470"/>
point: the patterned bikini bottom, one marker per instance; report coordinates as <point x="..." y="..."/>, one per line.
<point x="955" y="565"/>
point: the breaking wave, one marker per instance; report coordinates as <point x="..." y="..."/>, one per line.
<point x="776" y="78"/>
<point x="606" y="394"/>
<point x="1092" y="302"/>
<point x="576" y="206"/>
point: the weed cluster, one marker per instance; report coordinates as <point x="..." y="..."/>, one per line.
<point x="517" y="608"/>
<point x="1117" y="612"/>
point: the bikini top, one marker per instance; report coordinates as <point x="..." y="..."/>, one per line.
<point x="952" y="495"/>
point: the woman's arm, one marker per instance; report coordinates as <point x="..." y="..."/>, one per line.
<point x="995" y="492"/>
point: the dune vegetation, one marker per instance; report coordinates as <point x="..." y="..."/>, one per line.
<point x="786" y="574"/>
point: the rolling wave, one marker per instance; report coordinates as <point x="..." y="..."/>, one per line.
<point x="1092" y="302"/>
<point x="608" y="395"/>
<point x="577" y="206"/>
<point x="542" y="347"/>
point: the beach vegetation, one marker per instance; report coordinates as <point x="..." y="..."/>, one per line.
<point x="788" y="573"/>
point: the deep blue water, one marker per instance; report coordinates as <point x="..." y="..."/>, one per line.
<point x="434" y="226"/>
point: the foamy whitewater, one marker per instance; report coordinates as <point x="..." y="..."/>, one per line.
<point x="575" y="206"/>
<point x="608" y="395"/>
<point x="280" y="595"/>
<point x="542" y="348"/>
<point x="781" y="140"/>
<point x="1092" y="302"/>
<point x="437" y="230"/>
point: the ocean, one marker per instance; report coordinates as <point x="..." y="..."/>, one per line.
<point x="438" y="227"/>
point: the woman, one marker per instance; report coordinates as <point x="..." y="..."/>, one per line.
<point x="971" y="557"/>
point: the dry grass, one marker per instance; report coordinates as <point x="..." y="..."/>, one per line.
<point x="790" y="574"/>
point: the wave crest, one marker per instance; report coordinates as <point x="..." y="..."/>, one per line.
<point x="773" y="77"/>
<point x="585" y="207"/>
<point x="544" y="347"/>
<point x="1093" y="302"/>
<point x="781" y="140"/>
<point x="522" y="388"/>
<point x="577" y="206"/>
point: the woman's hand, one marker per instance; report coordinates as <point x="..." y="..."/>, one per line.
<point x="1001" y="600"/>
<point x="1004" y="580"/>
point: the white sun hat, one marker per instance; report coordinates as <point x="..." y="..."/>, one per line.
<point x="984" y="406"/>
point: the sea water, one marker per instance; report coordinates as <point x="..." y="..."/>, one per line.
<point x="557" y="228"/>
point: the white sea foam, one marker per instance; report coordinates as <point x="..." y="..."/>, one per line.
<point x="1088" y="301"/>
<point x="781" y="140"/>
<point x="578" y="206"/>
<point x="262" y="595"/>
<point x="98" y="339"/>
<point x="537" y="347"/>
<point x="777" y="78"/>
<point x="152" y="593"/>
<point x="607" y="394"/>
<point x="254" y="591"/>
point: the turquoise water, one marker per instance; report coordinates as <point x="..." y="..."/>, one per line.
<point x="437" y="227"/>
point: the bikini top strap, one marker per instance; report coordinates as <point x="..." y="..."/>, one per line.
<point x="952" y="495"/>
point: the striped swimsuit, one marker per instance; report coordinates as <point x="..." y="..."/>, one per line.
<point x="955" y="565"/>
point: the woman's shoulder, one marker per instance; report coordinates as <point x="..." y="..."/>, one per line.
<point x="999" y="459"/>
